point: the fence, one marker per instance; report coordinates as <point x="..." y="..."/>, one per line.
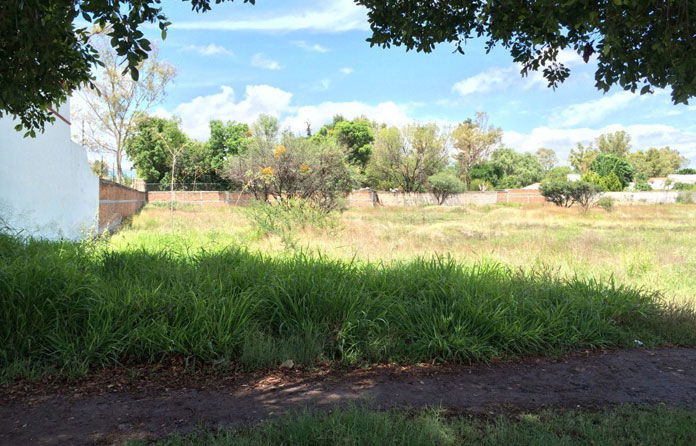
<point x="212" y="198"/>
<point x="117" y="202"/>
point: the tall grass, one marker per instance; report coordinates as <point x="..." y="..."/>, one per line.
<point x="66" y="307"/>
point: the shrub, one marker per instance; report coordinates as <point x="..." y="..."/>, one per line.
<point x="297" y="168"/>
<point x="567" y="193"/>
<point x="685" y="197"/>
<point x="684" y="186"/>
<point x="443" y="185"/>
<point x="687" y="171"/>
<point x="611" y="183"/>
<point x="558" y="192"/>
<point x="606" y="203"/>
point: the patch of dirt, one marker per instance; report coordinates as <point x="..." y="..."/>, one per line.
<point x="153" y="402"/>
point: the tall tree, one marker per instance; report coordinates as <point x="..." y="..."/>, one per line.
<point x="406" y="159"/>
<point x="226" y="140"/>
<point x="581" y="157"/>
<point x="617" y="143"/>
<point x="114" y="101"/>
<point x="547" y="158"/>
<point x="47" y="53"/>
<point x="149" y="144"/>
<point x="519" y="169"/>
<point x="473" y="141"/>
<point x="639" y="44"/>
<point x="656" y="162"/>
<point x="356" y="136"/>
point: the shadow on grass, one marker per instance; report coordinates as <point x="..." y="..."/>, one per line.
<point x="66" y="307"/>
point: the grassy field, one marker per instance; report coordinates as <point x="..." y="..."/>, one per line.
<point x="358" y="426"/>
<point x="643" y="246"/>
<point x="206" y="284"/>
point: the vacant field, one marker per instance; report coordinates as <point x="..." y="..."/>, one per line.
<point x="651" y="247"/>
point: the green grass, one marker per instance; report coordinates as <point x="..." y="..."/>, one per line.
<point x="359" y="426"/>
<point x="66" y="307"/>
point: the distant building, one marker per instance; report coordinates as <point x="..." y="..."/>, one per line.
<point x="658" y="183"/>
<point x="47" y="188"/>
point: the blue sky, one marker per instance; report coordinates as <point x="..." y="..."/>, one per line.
<point x="306" y="60"/>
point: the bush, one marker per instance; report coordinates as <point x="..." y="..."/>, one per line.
<point x="685" y="197"/>
<point x="297" y="168"/>
<point x="606" y="203"/>
<point x="684" y="186"/>
<point x="443" y="185"/>
<point x="687" y="171"/>
<point x="568" y="193"/>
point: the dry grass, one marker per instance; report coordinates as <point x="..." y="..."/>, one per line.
<point x="651" y="246"/>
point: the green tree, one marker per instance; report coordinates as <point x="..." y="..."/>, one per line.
<point x="114" y="101"/>
<point x="444" y="184"/>
<point x="638" y="44"/>
<point x="47" y="53"/>
<point x="581" y="158"/>
<point x="473" y="141"/>
<point x="617" y="143"/>
<point x="519" y="169"/>
<point x="405" y="159"/>
<point x="559" y="173"/>
<point x="655" y="162"/>
<point x="547" y="158"/>
<point x="611" y="183"/>
<point x="148" y="147"/>
<point x="604" y="164"/>
<point x="226" y="140"/>
<point x="687" y="171"/>
<point x="356" y="135"/>
<point x="486" y="171"/>
<point x="100" y="168"/>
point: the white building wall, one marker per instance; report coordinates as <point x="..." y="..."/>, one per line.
<point x="47" y="188"/>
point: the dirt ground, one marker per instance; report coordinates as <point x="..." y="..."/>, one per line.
<point x="112" y="406"/>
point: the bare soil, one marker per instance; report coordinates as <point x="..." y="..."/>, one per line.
<point x="147" y="403"/>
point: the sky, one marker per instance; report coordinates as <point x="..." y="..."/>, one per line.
<point x="308" y="60"/>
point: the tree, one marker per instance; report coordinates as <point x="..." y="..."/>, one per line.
<point x="297" y="168"/>
<point x="547" y="158"/>
<point x="473" y="141"/>
<point x="100" y="168"/>
<point x="114" y="101"/>
<point x="559" y="173"/>
<point x="604" y="165"/>
<point x="265" y="131"/>
<point x="617" y="143"/>
<point x="356" y="135"/>
<point x="226" y="140"/>
<point x="148" y="147"/>
<point x="581" y="157"/>
<point x="519" y="169"/>
<point x="443" y="185"/>
<point x="406" y="159"/>
<point x="486" y="171"/>
<point x="687" y="171"/>
<point x="656" y="162"/>
<point x="47" y="54"/>
<point x="568" y="193"/>
<point x="638" y="44"/>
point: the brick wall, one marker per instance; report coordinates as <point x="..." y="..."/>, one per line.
<point x="522" y="196"/>
<point x="425" y="198"/>
<point x="117" y="202"/>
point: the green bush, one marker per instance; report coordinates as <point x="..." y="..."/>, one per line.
<point x="684" y="186"/>
<point x="687" y="171"/>
<point x="443" y="185"/>
<point x="606" y="203"/>
<point x="478" y="185"/>
<point x="67" y="307"/>
<point x="685" y="197"/>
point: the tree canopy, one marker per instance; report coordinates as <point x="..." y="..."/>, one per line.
<point x="639" y="44"/>
<point x="47" y="52"/>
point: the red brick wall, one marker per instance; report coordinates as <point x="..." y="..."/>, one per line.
<point x="117" y="202"/>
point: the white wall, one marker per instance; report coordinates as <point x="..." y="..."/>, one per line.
<point x="47" y="188"/>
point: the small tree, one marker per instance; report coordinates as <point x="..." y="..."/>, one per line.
<point x="443" y="185"/>
<point x="605" y="164"/>
<point x="559" y="193"/>
<point x="584" y="194"/>
<point x="100" y="168"/>
<point x="473" y="141"/>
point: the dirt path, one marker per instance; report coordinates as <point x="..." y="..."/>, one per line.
<point x="598" y="379"/>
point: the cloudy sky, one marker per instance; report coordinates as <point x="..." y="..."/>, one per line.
<point x="307" y="60"/>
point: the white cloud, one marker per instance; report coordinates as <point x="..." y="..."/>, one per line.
<point x="336" y="16"/>
<point x="318" y="115"/>
<point x="258" y="99"/>
<point x="312" y="47"/>
<point x="484" y="82"/>
<point x="260" y="60"/>
<point x="346" y="70"/>
<point x="642" y="136"/>
<point x="591" y="112"/>
<point x="208" y="50"/>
